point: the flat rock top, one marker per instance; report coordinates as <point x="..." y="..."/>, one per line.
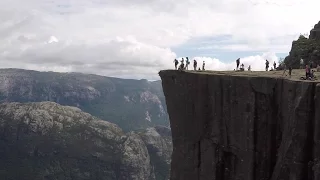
<point x="295" y="75"/>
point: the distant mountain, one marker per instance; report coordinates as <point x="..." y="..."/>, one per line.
<point x="47" y="141"/>
<point x="131" y="104"/>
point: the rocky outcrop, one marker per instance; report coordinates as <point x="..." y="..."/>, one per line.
<point x="42" y="141"/>
<point x="131" y="104"/>
<point x="159" y="143"/>
<point x="305" y="48"/>
<point x="315" y="32"/>
<point x="242" y="127"/>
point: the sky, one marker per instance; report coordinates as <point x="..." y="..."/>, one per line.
<point x="137" y="38"/>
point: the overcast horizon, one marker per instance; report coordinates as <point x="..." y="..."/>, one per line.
<point x="135" y="39"/>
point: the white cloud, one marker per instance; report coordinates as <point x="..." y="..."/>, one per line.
<point x="132" y="39"/>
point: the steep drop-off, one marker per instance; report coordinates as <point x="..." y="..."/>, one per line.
<point x="242" y="127"/>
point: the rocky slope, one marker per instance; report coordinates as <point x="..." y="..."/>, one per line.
<point x="131" y="104"/>
<point x="305" y="48"/>
<point x="47" y="141"/>
<point x="242" y="127"/>
<point x="159" y="144"/>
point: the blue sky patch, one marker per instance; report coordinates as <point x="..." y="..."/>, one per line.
<point x="197" y="47"/>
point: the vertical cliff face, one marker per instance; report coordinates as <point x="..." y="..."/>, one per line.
<point x="241" y="127"/>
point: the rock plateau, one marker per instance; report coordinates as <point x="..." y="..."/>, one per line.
<point x="242" y="127"/>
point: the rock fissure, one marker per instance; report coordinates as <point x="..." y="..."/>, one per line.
<point x="246" y="127"/>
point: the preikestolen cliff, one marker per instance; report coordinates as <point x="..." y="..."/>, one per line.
<point x="242" y="126"/>
<point x="225" y="125"/>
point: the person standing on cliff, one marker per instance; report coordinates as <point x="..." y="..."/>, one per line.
<point x="176" y="62"/>
<point x="195" y="64"/>
<point x="307" y="72"/>
<point x="203" y="64"/>
<point x="301" y="63"/>
<point x="290" y="71"/>
<point x="274" y="65"/>
<point x="267" y="64"/>
<point x="238" y="63"/>
<point x="182" y="61"/>
<point x="187" y="63"/>
<point x="284" y="69"/>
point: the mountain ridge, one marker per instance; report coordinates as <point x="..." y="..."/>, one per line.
<point x="132" y="104"/>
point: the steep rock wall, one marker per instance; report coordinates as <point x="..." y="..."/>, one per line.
<point x="241" y="127"/>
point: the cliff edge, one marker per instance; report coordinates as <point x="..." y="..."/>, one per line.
<point x="242" y="126"/>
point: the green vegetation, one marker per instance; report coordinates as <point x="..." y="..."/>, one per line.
<point x="304" y="48"/>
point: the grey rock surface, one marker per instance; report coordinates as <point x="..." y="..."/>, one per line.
<point x="242" y="127"/>
<point x="47" y="141"/>
<point x="159" y="144"/>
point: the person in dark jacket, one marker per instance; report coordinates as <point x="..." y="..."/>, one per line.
<point x="176" y="62"/>
<point x="238" y="63"/>
<point x="195" y="64"/>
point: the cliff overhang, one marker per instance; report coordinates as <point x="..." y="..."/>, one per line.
<point x="242" y="126"/>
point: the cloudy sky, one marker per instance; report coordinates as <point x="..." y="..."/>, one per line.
<point x="137" y="38"/>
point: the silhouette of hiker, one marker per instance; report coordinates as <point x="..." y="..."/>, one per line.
<point x="238" y="63"/>
<point x="290" y="71"/>
<point x="187" y="63"/>
<point x="249" y="68"/>
<point x="274" y="65"/>
<point x="182" y="66"/>
<point x="195" y="64"/>
<point x="203" y="64"/>
<point x="242" y="67"/>
<point x="176" y="62"/>
<point x="267" y="65"/>
<point x="307" y="71"/>
<point x="284" y="69"/>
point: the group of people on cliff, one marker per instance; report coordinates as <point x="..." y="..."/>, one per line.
<point x="249" y="67"/>
<point x="309" y="73"/>
<point x="185" y="65"/>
